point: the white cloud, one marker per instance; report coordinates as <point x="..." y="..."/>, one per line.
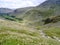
<point x="19" y="3"/>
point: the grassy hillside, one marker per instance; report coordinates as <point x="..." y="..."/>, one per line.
<point x="14" y="33"/>
<point x="53" y="32"/>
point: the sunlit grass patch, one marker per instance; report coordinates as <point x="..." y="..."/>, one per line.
<point x="53" y="31"/>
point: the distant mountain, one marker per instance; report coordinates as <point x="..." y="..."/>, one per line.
<point x="5" y="10"/>
<point x="20" y="11"/>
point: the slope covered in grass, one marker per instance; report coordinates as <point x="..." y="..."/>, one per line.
<point x="14" y="33"/>
<point x="53" y="32"/>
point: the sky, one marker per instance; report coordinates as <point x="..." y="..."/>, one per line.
<point x="13" y="4"/>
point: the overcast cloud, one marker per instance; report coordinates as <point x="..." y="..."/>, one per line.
<point x="19" y="3"/>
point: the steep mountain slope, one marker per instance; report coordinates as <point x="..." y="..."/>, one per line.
<point x="51" y="4"/>
<point x="47" y="9"/>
